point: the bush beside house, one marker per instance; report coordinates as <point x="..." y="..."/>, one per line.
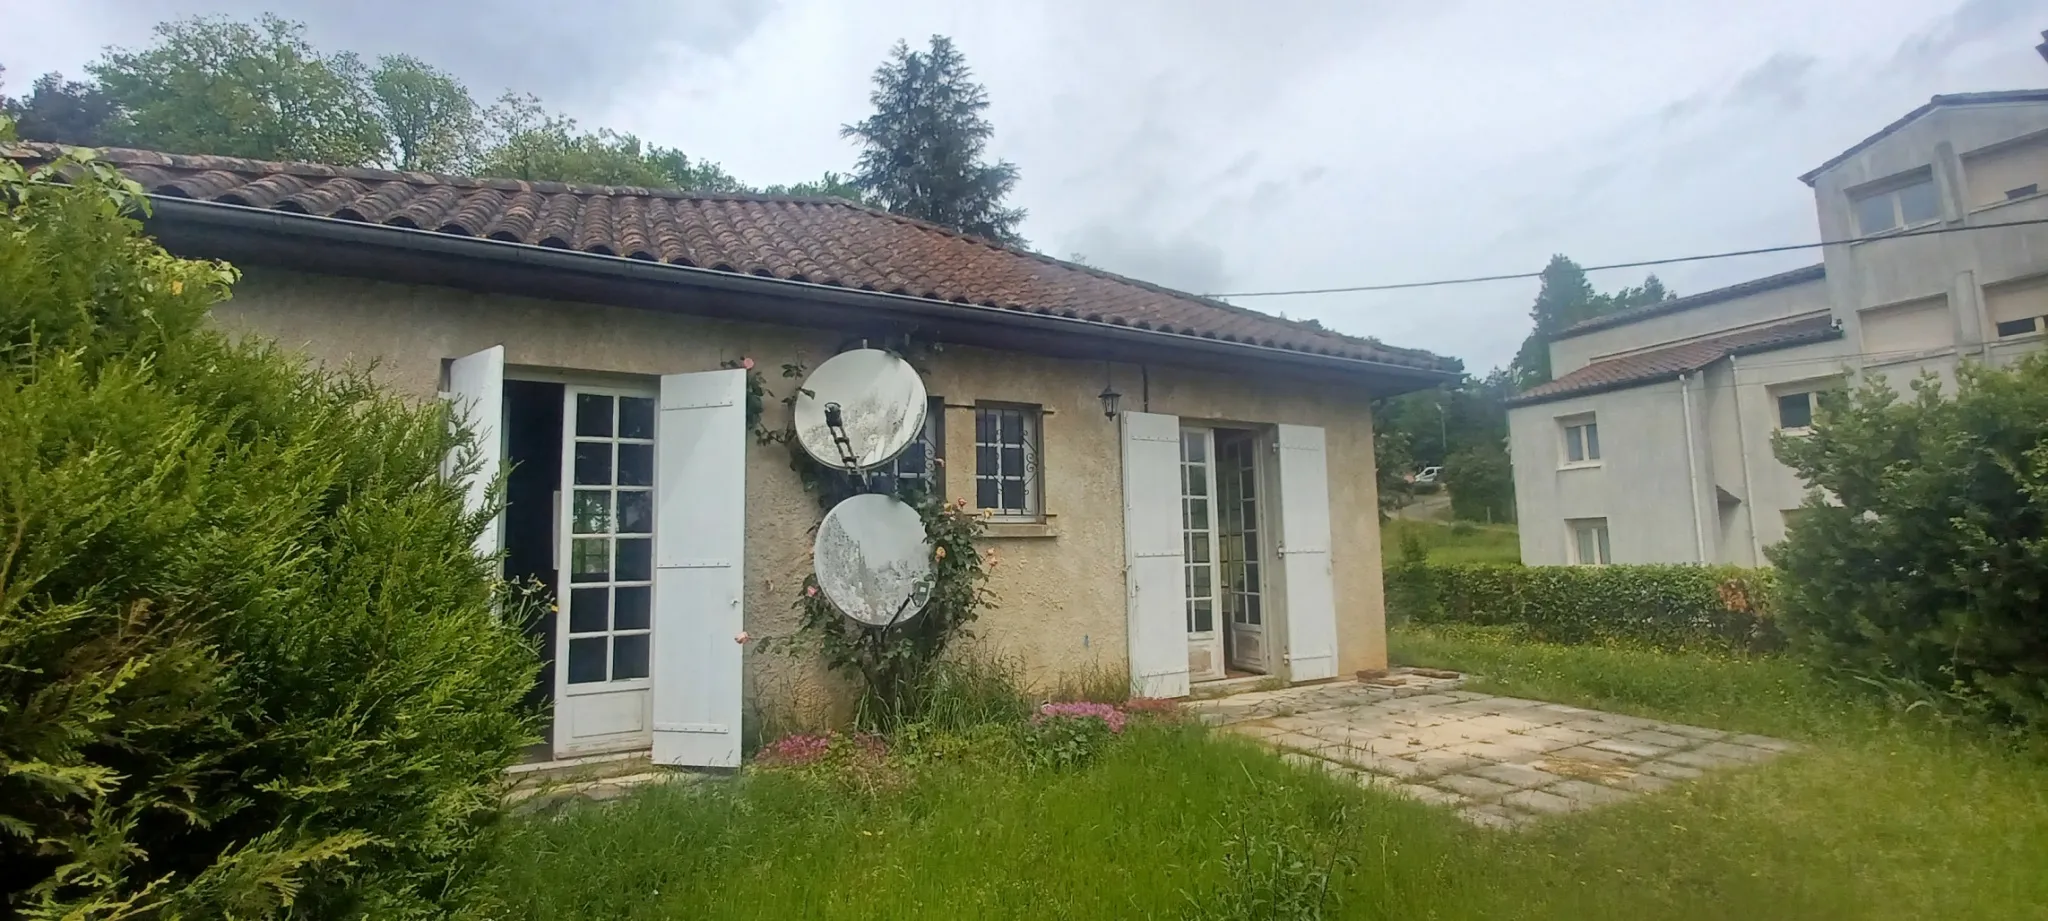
<point x="1927" y="571"/>
<point x="249" y="663"/>
<point x="1670" y="607"/>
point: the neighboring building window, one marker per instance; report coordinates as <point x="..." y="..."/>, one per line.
<point x="1581" y="440"/>
<point x="1589" y="542"/>
<point x="1897" y="207"/>
<point x="2006" y="172"/>
<point x="917" y="468"/>
<point x="1896" y="330"/>
<point x="1006" y="460"/>
<point x="1795" y="410"/>
<point x="2017" y="308"/>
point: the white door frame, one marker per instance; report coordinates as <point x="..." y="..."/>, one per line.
<point x="1239" y="633"/>
<point x="615" y="714"/>
<point x="1205" y="647"/>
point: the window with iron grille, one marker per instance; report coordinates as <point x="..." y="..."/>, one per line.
<point x="918" y="468"/>
<point x="1006" y="460"/>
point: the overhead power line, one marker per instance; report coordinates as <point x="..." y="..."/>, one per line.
<point x="1475" y="279"/>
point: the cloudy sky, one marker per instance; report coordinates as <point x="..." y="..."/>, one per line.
<point x="1226" y="146"/>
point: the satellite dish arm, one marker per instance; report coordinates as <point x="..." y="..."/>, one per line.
<point x="835" y="420"/>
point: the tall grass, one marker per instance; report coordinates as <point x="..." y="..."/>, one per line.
<point x="1876" y="817"/>
<point x="1452" y="542"/>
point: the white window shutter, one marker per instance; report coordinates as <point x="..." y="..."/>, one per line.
<point x="476" y="391"/>
<point x="1305" y="553"/>
<point x="1156" y="600"/>
<point x="700" y="459"/>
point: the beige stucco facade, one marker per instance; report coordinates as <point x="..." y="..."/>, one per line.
<point x="1713" y="491"/>
<point x="1059" y="586"/>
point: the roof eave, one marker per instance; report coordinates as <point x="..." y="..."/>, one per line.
<point x="1936" y="102"/>
<point x="268" y="236"/>
<point x="1594" y="389"/>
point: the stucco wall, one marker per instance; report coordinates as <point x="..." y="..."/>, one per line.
<point x="1881" y="271"/>
<point x="1060" y="590"/>
<point x="1572" y="353"/>
<point x="1640" y="486"/>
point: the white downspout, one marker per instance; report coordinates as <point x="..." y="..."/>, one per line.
<point x="1692" y="472"/>
<point x="1756" y="544"/>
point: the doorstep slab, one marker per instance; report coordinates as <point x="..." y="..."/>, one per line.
<point x="1501" y="762"/>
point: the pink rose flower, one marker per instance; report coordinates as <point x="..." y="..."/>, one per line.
<point x="746" y="364"/>
<point x="742" y="637"/>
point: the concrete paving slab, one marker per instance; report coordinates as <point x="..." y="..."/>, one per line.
<point x="1502" y="762"/>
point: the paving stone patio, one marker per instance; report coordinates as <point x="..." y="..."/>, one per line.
<point x="1500" y="762"/>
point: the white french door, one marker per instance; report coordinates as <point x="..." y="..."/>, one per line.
<point x="1198" y="533"/>
<point x="1242" y="542"/>
<point x="605" y="555"/>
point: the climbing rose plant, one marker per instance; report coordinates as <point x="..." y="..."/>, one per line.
<point x="893" y="665"/>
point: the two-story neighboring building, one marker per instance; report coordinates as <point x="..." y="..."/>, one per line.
<point x="1653" y="443"/>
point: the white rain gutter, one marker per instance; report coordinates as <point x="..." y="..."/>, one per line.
<point x="1692" y="472"/>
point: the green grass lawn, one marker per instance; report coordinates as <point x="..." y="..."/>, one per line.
<point x="1876" y="818"/>
<point x="1453" y="542"/>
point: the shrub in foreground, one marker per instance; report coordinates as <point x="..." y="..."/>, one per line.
<point x="1927" y="571"/>
<point x="249" y="664"/>
<point x="1670" y="607"/>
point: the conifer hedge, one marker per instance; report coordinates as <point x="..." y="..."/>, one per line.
<point x="249" y="665"/>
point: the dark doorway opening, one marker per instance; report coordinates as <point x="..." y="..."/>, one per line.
<point x="533" y="446"/>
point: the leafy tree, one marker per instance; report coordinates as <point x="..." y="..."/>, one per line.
<point x="922" y="151"/>
<point x="1482" y="483"/>
<point x="534" y="144"/>
<point x="60" y="110"/>
<point x="216" y="86"/>
<point x="249" y="663"/>
<point x="1565" y="298"/>
<point x="1920" y="559"/>
<point x="830" y="185"/>
<point x="1394" y="463"/>
<point x="433" y="123"/>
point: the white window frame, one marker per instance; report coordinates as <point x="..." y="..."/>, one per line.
<point x="1033" y="474"/>
<point x="1778" y="407"/>
<point x="1603" y="542"/>
<point x="1890" y="191"/>
<point x="1581" y="432"/>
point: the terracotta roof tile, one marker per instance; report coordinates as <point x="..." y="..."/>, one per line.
<point x="1673" y="360"/>
<point x="819" y="240"/>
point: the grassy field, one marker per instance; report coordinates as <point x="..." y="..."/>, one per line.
<point x="1875" y="819"/>
<point x="1453" y="542"/>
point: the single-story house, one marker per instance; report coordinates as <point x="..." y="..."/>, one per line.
<point x="1221" y="523"/>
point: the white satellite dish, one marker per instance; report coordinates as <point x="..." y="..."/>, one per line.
<point x="872" y="559"/>
<point x="873" y="398"/>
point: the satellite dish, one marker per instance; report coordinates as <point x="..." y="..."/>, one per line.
<point x="873" y="398"/>
<point x="872" y="560"/>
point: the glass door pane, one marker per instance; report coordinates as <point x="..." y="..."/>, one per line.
<point x="611" y="548"/>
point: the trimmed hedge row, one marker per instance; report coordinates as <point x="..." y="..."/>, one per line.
<point x="1666" y="606"/>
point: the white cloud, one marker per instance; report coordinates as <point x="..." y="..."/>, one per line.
<point x="1289" y="143"/>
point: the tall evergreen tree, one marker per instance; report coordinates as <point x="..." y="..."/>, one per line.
<point x="1566" y="298"/>
<point x="922" y="150"/>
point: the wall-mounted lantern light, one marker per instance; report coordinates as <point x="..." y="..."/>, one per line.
<point x="1109" y="396"/>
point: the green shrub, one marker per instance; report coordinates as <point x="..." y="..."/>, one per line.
<point x="1482" y="483"/>
<point x="1927" y="572"/>
<point x="249" y="665"/>
<point x="1670" y="607"/>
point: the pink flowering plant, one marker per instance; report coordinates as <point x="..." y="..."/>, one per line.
<point x="1067" y="736"/>
<point x="858" y="762"/>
